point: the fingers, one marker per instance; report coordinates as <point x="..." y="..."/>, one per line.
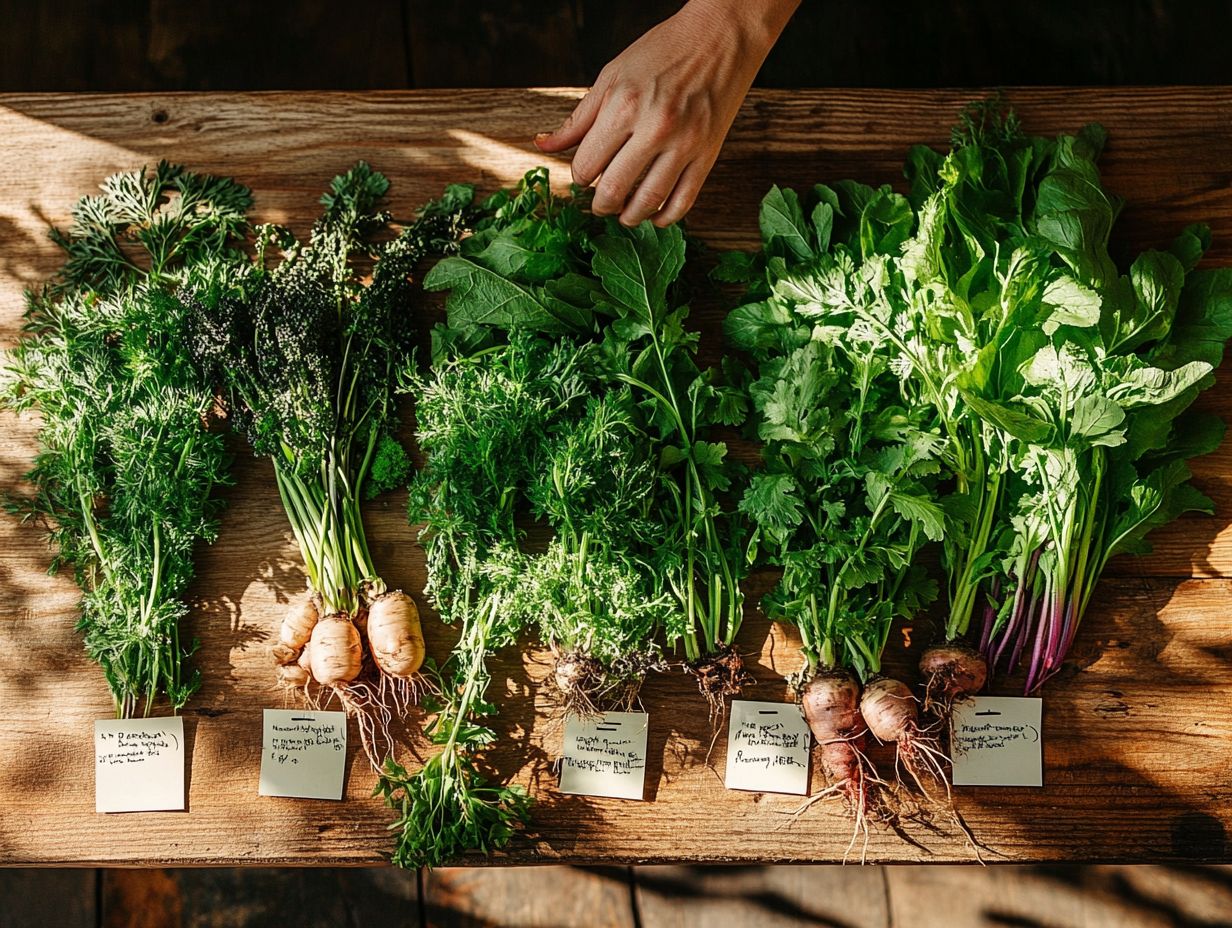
<point x="685" y="192"/>
<point x="619" y="177"/>
<point x="577" y="123"/>
<point x="652" y="193"/>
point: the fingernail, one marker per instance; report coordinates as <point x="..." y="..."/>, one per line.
<point x="541" y="136"/>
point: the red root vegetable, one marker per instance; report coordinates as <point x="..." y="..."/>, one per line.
<point x="890" y="711"/>
<point x="951" y="672"/>
<point x="831" y="705"/>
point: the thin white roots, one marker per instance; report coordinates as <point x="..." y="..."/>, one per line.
<point x="918" y="752"/>
<point x="866" y="781"/>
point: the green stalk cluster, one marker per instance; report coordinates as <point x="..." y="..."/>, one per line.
<point x="127" y="465"/>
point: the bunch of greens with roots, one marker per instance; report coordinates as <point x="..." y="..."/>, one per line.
<point x="546" y="265"/>
<point x="844" y="502"/>
<point x="127" y="465"/>
<point x="1059" y="385"/>
<point x="307" y="355"/>
<point x="482" y="421"/>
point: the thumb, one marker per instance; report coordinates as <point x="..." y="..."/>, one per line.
<point x="575" y="126"/>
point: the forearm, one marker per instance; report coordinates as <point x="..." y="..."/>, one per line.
<point x="759" y="23"/>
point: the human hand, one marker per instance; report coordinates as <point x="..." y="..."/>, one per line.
<point x="660" y="110"/>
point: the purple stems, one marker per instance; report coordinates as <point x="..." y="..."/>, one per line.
<point x="990" y="616"/>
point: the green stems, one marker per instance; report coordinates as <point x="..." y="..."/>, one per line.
<point x="328" y="527"/>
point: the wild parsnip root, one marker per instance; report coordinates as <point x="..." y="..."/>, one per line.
<point x="298" y="623"/>
<point x="891" y="713"/>
<point x="293" y="675"/>
<point x="336" y="651"/>
<point x="395" y="635"/>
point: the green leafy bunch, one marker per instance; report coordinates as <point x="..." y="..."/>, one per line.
<point x="483" y="421"/>
<point x="595" y="592"/>
<point x="847" y="494"/>
<point x="1059" y="385"/>
<point x="546" y="265"/>
<point x="309" y="353"/>
<point x="126" y="468"/>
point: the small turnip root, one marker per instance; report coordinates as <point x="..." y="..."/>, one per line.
<point x="831" y="703"/>
<point x="293" y="675"/>
<point x="305" y="660"/>
<point x="298" y="623"/>
<point x="395" y="636"/>
<point x="335" y="651"/>
<point x="952" y="671"/>
<point x="890" y="712"/>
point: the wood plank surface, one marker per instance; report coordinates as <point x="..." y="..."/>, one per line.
<point x="1138" y="728"/>
<point x="769" y="897"/>
<point x="529" y="897"/>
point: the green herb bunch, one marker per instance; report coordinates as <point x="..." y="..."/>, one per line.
<point x="548" y="266"/>
<point x="1059" y="387"/>
<point x="127" y="465"/>
<point x="308" y="355"/>
<point x="483" y="420"/>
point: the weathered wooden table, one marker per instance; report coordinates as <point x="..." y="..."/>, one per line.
<point x="1138" y="730"/>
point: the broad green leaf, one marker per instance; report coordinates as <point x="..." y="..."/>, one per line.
<point x="783" y="228"/>
<point x="1017" y="423"/>
<point x="773" y="502"/>
<point x="636" y="266"/>
<point x="480" y="296"/>
<point x="1070" y="303"/>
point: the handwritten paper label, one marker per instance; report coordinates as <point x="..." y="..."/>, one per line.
<point x="767" y="748"/>
<point x="303" y="754"/>
<point x="605" y="756"/>
<point x="138" y="765"/>
<point x="995" y="741"/>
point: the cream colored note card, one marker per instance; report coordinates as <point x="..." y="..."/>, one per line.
<point x="767" y="748"/>
<point x="303" y="754"/>
<point x="139" y="765"/>
<point x="996" y="741"/>
<point x="605" y="756"/>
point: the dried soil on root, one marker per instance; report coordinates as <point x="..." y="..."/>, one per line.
<point x="719" y="676"/>
<point x="950" y="676"/>
<point x="582" y="687"/>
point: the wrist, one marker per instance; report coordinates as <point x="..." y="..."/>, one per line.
<point x="758" y="22"/>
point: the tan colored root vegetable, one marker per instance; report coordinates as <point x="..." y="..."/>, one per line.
<point x="394" y="634"/>
<point x="305" y="660"/>
<point x="336" y="652"/>
<point x="293" y="675"/>
<point x="298" y="623"/>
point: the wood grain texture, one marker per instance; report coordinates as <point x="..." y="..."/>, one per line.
<point x="1060" y="897"/>
<point x="769" y="897"/>
<point x="520" y="897"/>
<point x="1138" y="729"/>
<point x="259" y="897"/>
<point x="67" y="898"/>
